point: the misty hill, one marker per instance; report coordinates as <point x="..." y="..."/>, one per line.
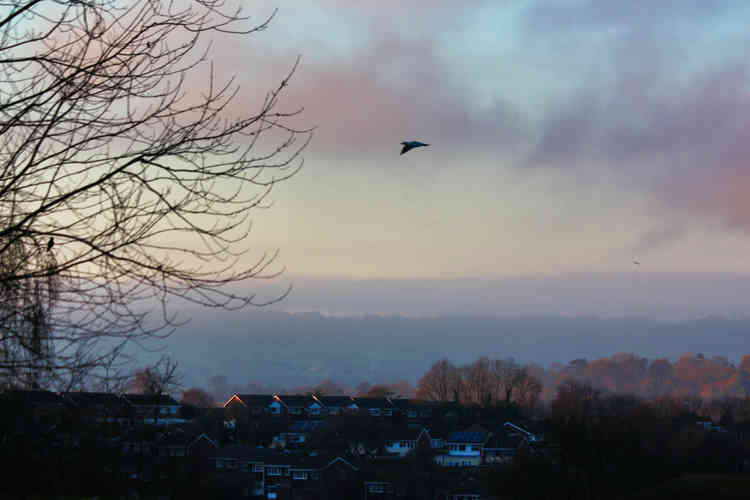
<point x="292" y="349"/>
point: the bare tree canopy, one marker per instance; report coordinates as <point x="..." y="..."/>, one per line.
<point x="197" y="397"/>
<point x="160" y="378"/>
<point x="127" y="178"/>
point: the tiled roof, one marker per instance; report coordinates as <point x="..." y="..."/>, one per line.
<point x="296" y="401"/>
<point x="336" y="401"/>
<point x="467" y="437"/>
<point x="32" y="398"/>
<point x="150" y="399"/>
<point x="255" y="400"/>
<point x="84" y="399"/>
<point x="373" y="402"/>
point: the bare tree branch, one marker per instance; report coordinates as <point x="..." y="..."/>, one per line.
<point x="143" y="183"/>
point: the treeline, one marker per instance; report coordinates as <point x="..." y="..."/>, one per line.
<point x="493" y="381"/>
<point x="692" y="375"/>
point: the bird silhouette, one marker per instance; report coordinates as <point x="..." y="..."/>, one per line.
<point x="50" y="243"/>
<point x="636" y="263"/>
<point x="409" y="145"/>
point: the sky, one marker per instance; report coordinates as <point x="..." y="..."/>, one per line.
<point x="567" y="138"/>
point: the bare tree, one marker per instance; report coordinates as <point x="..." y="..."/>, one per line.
<point x="127" y="177"/>
<point x="477" y="382"/>
<point x="197" y="397"/>
<point x="506" y="376"/>
<point x="527" y="388"/>
<point x="440" y="383"/>
<point x="160" y="378"/>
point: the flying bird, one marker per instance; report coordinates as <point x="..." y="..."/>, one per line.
<point x="636" y="263"/>
<point x="409" y="145"/>
<point x="50" y="243"/>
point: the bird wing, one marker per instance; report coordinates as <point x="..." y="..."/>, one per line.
<point x="406" y="148"/>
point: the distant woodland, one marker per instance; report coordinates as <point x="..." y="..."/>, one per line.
<point x="693" y="379"/>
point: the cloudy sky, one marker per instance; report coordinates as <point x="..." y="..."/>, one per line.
<point x="568" y="137"/>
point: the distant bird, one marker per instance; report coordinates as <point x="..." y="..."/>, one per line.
<point x="50" y="243"/>
<point x="636" y="263"/>
<point x="409" y="145"/>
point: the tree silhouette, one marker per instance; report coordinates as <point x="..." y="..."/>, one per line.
<point x="122" y="146"/>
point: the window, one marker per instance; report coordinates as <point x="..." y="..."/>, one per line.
<point x="220" y="464"/>
<point x="274" y="471"/>
<point x="475" y="447"/>
<point x="295" y="411"/>
<point x="374" y="411"/>
<point x="461" y="447"/>
<point x="387" y="412"/>
<point x="257" y="468"/>
<point x="315" y="411"/>
<point x="299" y="475"/>
<point x="375" y="488"/>
<point x="333" y="411"/>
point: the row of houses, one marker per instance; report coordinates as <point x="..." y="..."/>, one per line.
<point x="152" y="408"/>
<point x="314" y="406"/>
<point x="471" y="447"/>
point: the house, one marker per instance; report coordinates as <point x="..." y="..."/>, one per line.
<point x="375" y="407"/>
<point x="465" y="448"/>
<point x="154" y="408"/>
<point x="383" y="480"/>
<point x="252" y="405"/>
<point x="36" y="404"/>
<point x="98" y="406"/>
<point x="337" y="405"/>
<point x="418" y="409"/>
<point x="286" y="475"/>
<point x="401" y="441"/>
<point x="298" y="406"/>
<point x="466" y="489"/>
<point x="298" y="433"/>
<point x="138" y="442"/>
<point x="502" y="447"/>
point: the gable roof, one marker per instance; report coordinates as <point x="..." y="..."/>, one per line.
<point x="200" y="437"/>
<point x="251" y="400"/>
<point x="406" y="434"/>
<point x="271" y="458"/>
